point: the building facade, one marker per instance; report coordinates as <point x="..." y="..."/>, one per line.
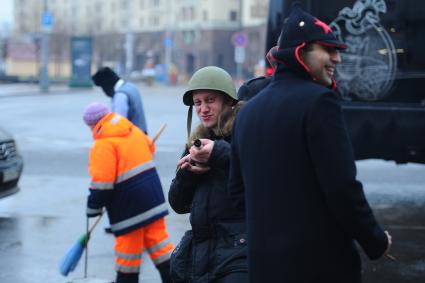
<point x="188" y="34"/>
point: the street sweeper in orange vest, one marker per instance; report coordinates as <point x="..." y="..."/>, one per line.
<point x="125" y="182"/>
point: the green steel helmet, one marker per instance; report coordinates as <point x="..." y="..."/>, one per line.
<point x="213" y="78"/>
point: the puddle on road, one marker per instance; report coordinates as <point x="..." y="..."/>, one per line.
<point x="43" y="221"/>
<point x="9" y="228"/>
<point x="12" y="228"/>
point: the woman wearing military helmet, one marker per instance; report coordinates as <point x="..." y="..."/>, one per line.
<point x="215" y="249"/>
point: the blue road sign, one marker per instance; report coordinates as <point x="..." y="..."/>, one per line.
<point x="47" y="19"/>
<point x="168" y="42"/>
<point x="239" y="39"/>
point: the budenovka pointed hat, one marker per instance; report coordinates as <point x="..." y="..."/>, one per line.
<point x="300" y="29"/>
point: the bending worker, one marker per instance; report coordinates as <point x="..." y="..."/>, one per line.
<point x="125" y="181"/>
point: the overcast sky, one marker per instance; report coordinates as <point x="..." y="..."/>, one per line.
<point x="6" y="11"/>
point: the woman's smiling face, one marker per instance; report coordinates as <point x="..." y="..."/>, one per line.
<point x="208" y="105"/>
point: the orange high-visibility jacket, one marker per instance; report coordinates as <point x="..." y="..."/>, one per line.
<point x="124" y="178"/>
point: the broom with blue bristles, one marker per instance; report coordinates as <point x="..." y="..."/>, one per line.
<point x="72" y="257"/>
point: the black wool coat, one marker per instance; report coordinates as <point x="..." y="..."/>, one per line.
<point x="219" y="245"/>
<point x="305" y="208"/>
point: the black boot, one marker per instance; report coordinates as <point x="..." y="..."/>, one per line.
<point x="127" y="277"/>
<point x="164" y="270"/>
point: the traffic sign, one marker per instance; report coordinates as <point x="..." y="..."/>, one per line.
<point x="239" y="54"/>
<point x="168" y="42"/>
<point x="46" y="21"/>
<point x="239" y="39"/>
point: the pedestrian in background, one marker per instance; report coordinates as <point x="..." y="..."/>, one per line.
<point x="292" y="155"/>
<point x="253" y="86"/>
<point x="124" y="181"/>
<point x="215" y="249"/>
<point x="126" y="98"/>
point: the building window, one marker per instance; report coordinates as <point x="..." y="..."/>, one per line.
<point x="205" y="16"/>
<point x="154" y="21"/>
<point x="98" y="7"/>
<point x="189" y="36"/>
<point x="99" y="25"/>
<point x="192" y="13"/>
<point x="142" y="22"/>
<point x="259" y="10"/>
<point x="183" y="14"/>
<point x="233" y="16"/>
<point x="254" y="36"/>
<point x="142" y="4"/>
<point x="74" y="10"/>
<point x="220" y="60"/>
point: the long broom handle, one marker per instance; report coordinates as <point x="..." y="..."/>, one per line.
<point x="159" y="133"/>
<point x="94" y="224"/>
<point x="88" y="231"/>
<point x="87" y="252"/>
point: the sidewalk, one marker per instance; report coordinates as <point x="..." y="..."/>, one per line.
<point x="24" y="89"/>
<point x="27" y="89"/>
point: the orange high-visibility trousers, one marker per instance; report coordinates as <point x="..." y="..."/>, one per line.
<point x="129" y="247"/>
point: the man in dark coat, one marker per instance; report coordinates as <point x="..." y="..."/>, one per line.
<point x="293" y="157"/>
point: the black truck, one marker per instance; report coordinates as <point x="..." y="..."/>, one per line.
<point x="381" y="79"/>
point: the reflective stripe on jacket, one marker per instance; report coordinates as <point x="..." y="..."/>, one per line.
<point x="124" y="178"/>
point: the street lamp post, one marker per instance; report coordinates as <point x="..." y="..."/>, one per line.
<point x="168" y="41"/>
<point x="239" y="64"/>
<point x="46" y="24"/>
<point x="129" y="38"/>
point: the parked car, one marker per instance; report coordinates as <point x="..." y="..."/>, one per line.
<point x="11" y="165"/>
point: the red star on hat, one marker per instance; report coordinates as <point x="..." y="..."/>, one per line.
<point x="325" y="27"/>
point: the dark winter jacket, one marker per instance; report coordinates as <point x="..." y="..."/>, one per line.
<point x="250" y="88"/>
<point x="219" y="234"/>
<point x="304" y="205"/>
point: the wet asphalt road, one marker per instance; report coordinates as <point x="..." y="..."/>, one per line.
<point x="45" y="218"/>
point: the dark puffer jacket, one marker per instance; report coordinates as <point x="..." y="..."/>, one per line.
<point x="219" y="238"/>
<point x="250" y="88"/>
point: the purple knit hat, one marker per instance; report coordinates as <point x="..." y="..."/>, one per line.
<point x="94" y="112"/>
